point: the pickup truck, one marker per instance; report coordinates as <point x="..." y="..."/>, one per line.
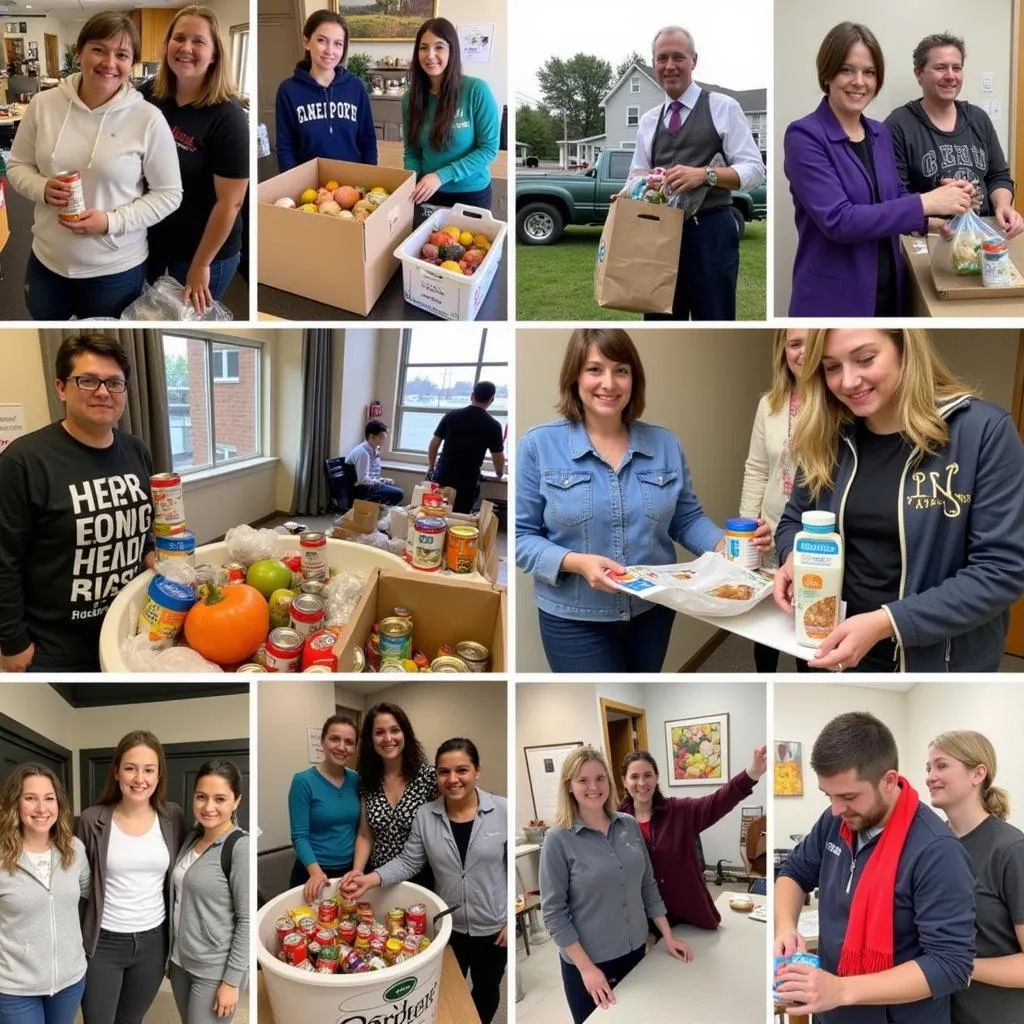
<point x="546" y="203"/>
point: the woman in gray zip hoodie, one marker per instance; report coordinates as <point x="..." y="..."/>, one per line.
<point x="210" y="902"/>
<point x="44" y="874"/>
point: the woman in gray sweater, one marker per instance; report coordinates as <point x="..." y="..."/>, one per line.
<point x="43" y="876"/>
<point x="210" y="902"/>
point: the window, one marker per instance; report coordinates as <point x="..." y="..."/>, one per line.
<point x="629" y="144"/>
<point x="758" y="128"/>
<point x="634" y="84"/>
<point x="438" y="367"/>
<point x="632" y="117"/>
<point x="214" y="397"/>
<point x="619" y="164"/>
<point x="242" y="66"/>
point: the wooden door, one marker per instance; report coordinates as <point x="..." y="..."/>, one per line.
<point x="1017" y="156"/>
<point x="1015" y="637"/>
<point x="280" y="48"/>
<point x="21" y="745"/>
<point x="625" y="730"/>
<point x="52" y="55"/>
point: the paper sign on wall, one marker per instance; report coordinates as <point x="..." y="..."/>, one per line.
<point x="316" y="748"/>
<point x="12" y="423"/>
<point x="475" y="41"/>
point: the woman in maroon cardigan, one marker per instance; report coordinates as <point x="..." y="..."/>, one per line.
<point x="670" y="827"/>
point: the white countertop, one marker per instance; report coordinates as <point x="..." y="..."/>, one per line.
<point x="767" y="624"/>
<point x="524" y="848"/>
<point x="725" y="983"/>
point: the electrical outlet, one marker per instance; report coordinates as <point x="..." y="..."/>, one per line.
<point x="986" y="105"/>
<point x="997" y="110"/>
<point x="986" y="80"/>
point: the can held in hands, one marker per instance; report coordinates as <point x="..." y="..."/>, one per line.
<point x="76" y="201"/>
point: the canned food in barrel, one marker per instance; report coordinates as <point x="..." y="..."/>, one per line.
<point x="314" y="556"/>
<point x="284" y="650"/>
<point x="168" y="504"/>
<point x="307" y="614"/>
<point x="318" y="652"/>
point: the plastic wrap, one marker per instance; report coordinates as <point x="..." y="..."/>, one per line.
<point x="970" y="233"/>
<point x="247" y="545"/>
<point x="163" y="300"/>
<point x="177" y="570"/>
<point x="140" y="654"/>
<point x="341" y="595"/>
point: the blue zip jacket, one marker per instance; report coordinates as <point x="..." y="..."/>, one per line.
<point x="569" y="499"/>
<point x="933" y="911"/>
<point x="334" y="122"/>
<point x="962" y="536"/>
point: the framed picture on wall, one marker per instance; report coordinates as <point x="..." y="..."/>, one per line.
<point x="393" y="21"/>
<point x="24" y="27"/>
<point x="33" y="51"/>
<point x="788" y="768"/>
<point x="10" y="27"/>
<point x="698" y="750"/>
<point x="544" y="770"/>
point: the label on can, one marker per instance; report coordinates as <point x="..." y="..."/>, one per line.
<point x="395" y="638"/>
<point x="76" y="201"/>
<point x="168" y="504"/>
<point x="284" y="650"/>
<point x="476" y="656"/>
<point x="307" y="614"/>
<point x="318" y="652"/>
<point x="178" y="545"/>
<point x="428" y="543"/>
<point x="314" y="556"/>
<point x="164" y="609"/>
<point x="462" y="547"/>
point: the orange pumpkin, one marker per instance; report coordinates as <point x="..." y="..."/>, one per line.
<point x="229" y="624"/>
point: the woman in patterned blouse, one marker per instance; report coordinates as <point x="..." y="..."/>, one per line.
<point x="395" y="781"/>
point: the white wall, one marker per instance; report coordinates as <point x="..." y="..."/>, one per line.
<point x="359" y="385"/>
<point x="37" y="27"/>
<point x="41" y="709"/>
<point x="24" y="380"/>
<point x="800" y="26"/>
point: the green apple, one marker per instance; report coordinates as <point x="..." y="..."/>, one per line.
<point x="269" y="575"/>
<point x="281" y="607"/>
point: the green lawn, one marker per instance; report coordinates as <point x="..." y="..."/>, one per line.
<point x="556" y="282"/>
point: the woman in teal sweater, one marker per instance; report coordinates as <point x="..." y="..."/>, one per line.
<point x="451" y="123"/>
<point x="323" y="810"/>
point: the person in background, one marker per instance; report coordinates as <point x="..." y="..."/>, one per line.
<point x="95" y="123"/>
<point x="209" y="938"/>
<point x="132" y="836"/>
<point x="463" y="835"/>
<point x="671" y="827"/>
<point x="323" y="110"/>
<point x="468" y="434"/>
<point x="937" y="138"/>
<point x="927" y="483"/>
<point x="770" y="471"/>
<point x="63" y="487"/>
<point x="594" y="489"/>
<point x="961" y="770"/>
<point x="895" y="891"/>
<point x="451" y="122"/>
<point x="44" y="874"/>
<point x="598" y="887"/>
<point x="365" y="459"/>
<point x="396" y="780"/>
<point x="323" y="810"/>
<point x="200" y="244"/>
<point x="850" y="204"/>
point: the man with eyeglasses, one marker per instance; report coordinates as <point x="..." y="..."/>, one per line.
<point x="76" y="514"/>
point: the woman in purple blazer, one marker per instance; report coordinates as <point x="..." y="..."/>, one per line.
<point x="851" y="206"/>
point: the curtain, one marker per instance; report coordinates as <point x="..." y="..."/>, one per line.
<point x="311" y="496"/>
<point x="145" y="412"/>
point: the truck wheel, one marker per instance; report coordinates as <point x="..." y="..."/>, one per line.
<point x="539" y="224"/>
<point x="532" y="161"/>
<point x="741" y="224"/>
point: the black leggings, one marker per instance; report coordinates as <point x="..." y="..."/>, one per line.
<point x="481" y="958"/>
<point x="123" y="976"/>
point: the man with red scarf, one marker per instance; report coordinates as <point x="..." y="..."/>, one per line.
<point x="895" y="891"/>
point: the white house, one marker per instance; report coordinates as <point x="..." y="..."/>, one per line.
<point x="638" y="90"/>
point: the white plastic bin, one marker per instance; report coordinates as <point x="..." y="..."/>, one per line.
<point x="122" y="619"/>
<point x="444" y="293"/>
<point x="408" y="991"/>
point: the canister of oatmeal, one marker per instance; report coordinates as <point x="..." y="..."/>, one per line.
<point x="817" y="578"/>
<point x="314" y="556"/>
<point x="739" y="542"/>
<point x="284" y="650"/>
<point x="168" y="504"/>
<point x="428" y="543"/>
<point x="395" y="638"/>
<point x="476" y="656"/>
<point x="306" y="614"/>
<point x="177" y="545"/>
<point x="462" y="547"/>
<point x="76" y="201"/>
<point x="995" y="264"/>
<point x="448" y="663"/>
<point x="164" y="609"/>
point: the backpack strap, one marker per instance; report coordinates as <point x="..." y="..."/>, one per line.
<point x="226" y="849"/>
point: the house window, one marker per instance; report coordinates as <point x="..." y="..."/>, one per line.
<point x="243" y="66"/>
<point x="438" y="368"/>
<point x="634" y="84"/>
<point x="214" y="398"/>
<point x="632" y="117"/>
<point x="631" y="144"/>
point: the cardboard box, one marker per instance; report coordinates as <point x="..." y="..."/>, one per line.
<point x="444" y="609"/>
<point x="339" y="262"/>
<point x="444" y="293"/>
<point x="935" y="291"/>
<point x="486" y="521"/>
<point x="360" y="519"/>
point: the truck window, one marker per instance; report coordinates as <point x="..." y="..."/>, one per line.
<point x="618" y="165"/>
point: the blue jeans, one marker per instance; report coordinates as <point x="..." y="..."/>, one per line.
<point x="636" y="645"/>
<point x="59" y="1008"/>
<point x="51" y="296"/>
<point x="383" y="494"/>
<point x="221" y="273"/>
<point x="581" y="1002"/>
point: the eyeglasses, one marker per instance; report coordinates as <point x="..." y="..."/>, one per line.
<point x="114" y="385"/>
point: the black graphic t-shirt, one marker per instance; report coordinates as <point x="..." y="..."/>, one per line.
<point x="211" y="141"/>
<point x="75" y="524"/>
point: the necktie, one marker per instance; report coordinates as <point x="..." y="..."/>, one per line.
<point x="675" y="120"/>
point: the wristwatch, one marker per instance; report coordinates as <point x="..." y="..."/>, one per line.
<point x="712" y="176"/>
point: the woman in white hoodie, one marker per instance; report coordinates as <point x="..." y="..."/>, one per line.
<point x="97" y="124"/>
<point x="44" y="874"/>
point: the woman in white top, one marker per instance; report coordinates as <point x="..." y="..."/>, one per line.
<point x="43" y="876"/>
<point x="132" y="838"/>
<point x="770" y="468"/>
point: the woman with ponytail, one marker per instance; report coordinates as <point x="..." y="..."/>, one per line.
<point x="961" y="771"/>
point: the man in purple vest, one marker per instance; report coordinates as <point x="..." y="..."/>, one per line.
<point x="684" y="135"/>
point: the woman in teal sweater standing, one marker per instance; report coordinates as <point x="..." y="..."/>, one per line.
<point x="451" y="123"/>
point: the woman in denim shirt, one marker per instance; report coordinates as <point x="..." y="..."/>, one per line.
<point x="598" y="490"/>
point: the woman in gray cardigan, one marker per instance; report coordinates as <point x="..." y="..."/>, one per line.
<point x="464" y="837"/>
<point x="43" y="876"/>
<point x="210" y="902"/>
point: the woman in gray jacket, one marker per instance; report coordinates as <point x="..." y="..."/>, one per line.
<point x="464" y="836"/>
<point x="210" y="902"/>
<point x="43" y="876"/>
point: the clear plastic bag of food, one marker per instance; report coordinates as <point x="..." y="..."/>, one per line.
<point x="645" y="186"/>
<point x="970" y="233"/>
<point x="690" y="201"/>
<point x="140" y="654"/>
<point x="247" y="545"/>
<point x="341" y="595"/>
<point x="177" y="570"/>
<point x="164" y="300"/>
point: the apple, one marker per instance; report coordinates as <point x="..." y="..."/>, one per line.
<point x="268" y="575"/>
<point x="281" y="607"/>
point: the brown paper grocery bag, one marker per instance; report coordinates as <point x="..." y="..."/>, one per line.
<point x="638" y="257"/>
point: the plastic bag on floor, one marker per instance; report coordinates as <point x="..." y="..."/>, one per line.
<point x="163" y="300"/>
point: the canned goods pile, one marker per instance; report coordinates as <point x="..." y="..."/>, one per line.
<point x="390" y="649"/>
<point x="340" y="936"/>
<point x="434" y="544"/>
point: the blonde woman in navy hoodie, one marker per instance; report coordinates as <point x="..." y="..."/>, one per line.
<point x="44" y="873"/>
<point x="323" y="110"/>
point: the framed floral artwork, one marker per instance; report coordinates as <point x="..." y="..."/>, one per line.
<point x="698" y="750"/>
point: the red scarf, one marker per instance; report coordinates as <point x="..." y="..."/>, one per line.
<point x="871" y="910"/>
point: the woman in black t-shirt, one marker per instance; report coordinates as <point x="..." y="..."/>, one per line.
<point x="200" y="244"/>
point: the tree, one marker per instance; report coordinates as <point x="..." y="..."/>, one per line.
<point x="539" y="131"/>
<point x="624" y="65"/>
<point x="573" y="89"/>
<point x="176" y="369"/>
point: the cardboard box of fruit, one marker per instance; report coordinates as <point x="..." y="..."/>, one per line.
<point x="325" y="215"/>
<point x="449" y="261"/>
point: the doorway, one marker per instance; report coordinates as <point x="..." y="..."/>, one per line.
<point x="52" y="55"/>
<point x="1015" y="636"/>
<point x="625" y="730"/>
<point x="280" y="46"/>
